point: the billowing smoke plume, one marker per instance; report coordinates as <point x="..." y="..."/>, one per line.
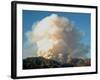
<point x="56" y="38"/>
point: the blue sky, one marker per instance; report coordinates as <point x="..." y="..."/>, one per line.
<point x="80" y="20"/>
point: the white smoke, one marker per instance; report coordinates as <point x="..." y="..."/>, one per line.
<point x="56" y="38"/>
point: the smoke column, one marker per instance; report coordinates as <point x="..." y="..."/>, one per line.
<point x="56" y="38"/>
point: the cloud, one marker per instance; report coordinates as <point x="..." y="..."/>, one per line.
<point x="56" y="38"/>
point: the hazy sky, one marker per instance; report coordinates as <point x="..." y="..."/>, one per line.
<point x="80" y="20"/>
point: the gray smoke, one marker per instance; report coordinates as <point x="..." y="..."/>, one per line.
<point x="57" y="39"/>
